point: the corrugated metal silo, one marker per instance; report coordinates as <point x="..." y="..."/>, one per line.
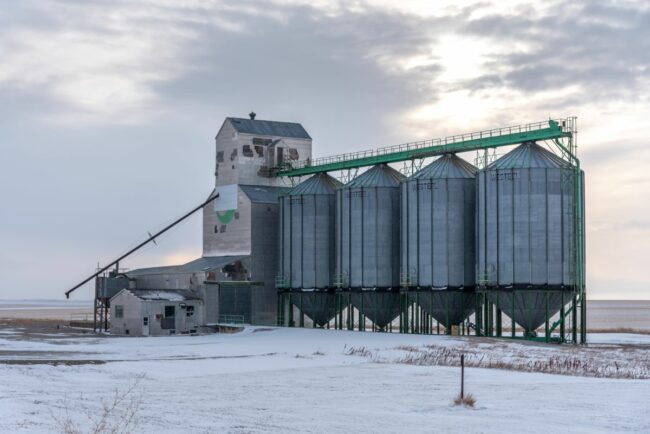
<point x="367" y="236"/>
<point x="438" y="239"/>
<point x="307" y="217"/>
<point x="526" y="233"/>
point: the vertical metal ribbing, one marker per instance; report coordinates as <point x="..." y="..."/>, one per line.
<point x="513" y="232"/>
<point x="376" y="235"/>
<point x="447" y="236"/>
<point x="433" y="238"/>
<point x="280" y="244"/>
<point x="363" y="247"/>
<point x="530" y="227"/>
<point x="290" y="244"/>
<point x="316" y="265"/>
<point x="302" y="241"/>
<point x="498" y="234"/>
<point x="546" y="233"/>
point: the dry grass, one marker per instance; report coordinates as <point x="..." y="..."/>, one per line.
<point x="359" y="351"/>
<point x="620" y="330"/>
<point x="468" y="400"/>
<point x="620" y="362"/>
<point x="117" y="414"/>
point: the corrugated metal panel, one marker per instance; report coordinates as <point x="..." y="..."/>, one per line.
<point x="269" y="128"/>
<point x="438" y="215"/>
<point x="169" y="295"/>
<point x="368" y="215"/>
<point x="525" y="227"/>
<point x="307" y="243"/>
<point x="235" y="300"/>
<point x="263" y="194"/>
<point x="207" y="263"/>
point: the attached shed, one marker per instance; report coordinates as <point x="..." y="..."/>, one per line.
<point x="145" y="312"/>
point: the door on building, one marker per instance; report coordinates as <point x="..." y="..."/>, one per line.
<point x="235" y="302"/>
<point x="145" y="326"/>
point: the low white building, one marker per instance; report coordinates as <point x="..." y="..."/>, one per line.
<point x="144" y="312"/>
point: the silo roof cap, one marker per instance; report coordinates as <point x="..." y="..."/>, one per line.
<point x="321" y="183"/>
<point x="447" y="166"/>
<point x="529" y="155"/>
<point x="380" y="175"/>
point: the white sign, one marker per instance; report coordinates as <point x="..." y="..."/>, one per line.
<point x="227" y="199"/>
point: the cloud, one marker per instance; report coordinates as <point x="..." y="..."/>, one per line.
<point x="108" y="109"/>
<point x="600" y="46"/>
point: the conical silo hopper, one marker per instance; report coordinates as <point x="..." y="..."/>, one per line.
<point x="318" y="306"/>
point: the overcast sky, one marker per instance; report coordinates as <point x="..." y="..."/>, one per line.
<point x="108" y="111"/>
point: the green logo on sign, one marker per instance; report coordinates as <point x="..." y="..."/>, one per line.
<point x="226" y="217"/>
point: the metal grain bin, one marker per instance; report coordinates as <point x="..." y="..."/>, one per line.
<point x="438" y="240"/>
<point x="526" y="232"/>
<point x="367" y="233"/>
<point x="307" y="216"/>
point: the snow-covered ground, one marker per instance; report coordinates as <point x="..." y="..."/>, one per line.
<point x="313" y="381"/>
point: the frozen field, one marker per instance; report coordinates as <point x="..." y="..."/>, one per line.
<point x="322" y="381"/>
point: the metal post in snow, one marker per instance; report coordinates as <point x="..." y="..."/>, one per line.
<point x="462" y="376"/>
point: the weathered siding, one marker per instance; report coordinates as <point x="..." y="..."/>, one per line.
<point x="264" y="262"/>
<point x="231" y="238"/>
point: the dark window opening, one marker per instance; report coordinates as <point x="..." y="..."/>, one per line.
<point x="220" y="157"/>
<point x="145" y="321"/>
<point x="126" y="332"/>
<point x="222" y="228"/>
<point x="293" y="154"/>
<point x="170" y="311"/>
<point x="259" y="150"/>
<point x="247" y="151"/>
<point x="235" y="271"/>
<point x="233" y="154"/>
<point x="119" y="311"/>
<point x="280" y="155"/>
<point x="189" y="311"/>
<point x="236" y="215"/>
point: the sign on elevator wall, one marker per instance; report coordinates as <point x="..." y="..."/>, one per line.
<point x="226" y="204"/>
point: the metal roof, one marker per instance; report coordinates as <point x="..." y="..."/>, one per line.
<point x="263" y="193"/>
<point x="529" y="155"/>
<point x="321" y="183"/>
<point x="164" y="294"/>
<point x="269" y="128"/>
<point x="196" y="266"/>
<point x="380" y="175"/>
<point x="447" y="166"/>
